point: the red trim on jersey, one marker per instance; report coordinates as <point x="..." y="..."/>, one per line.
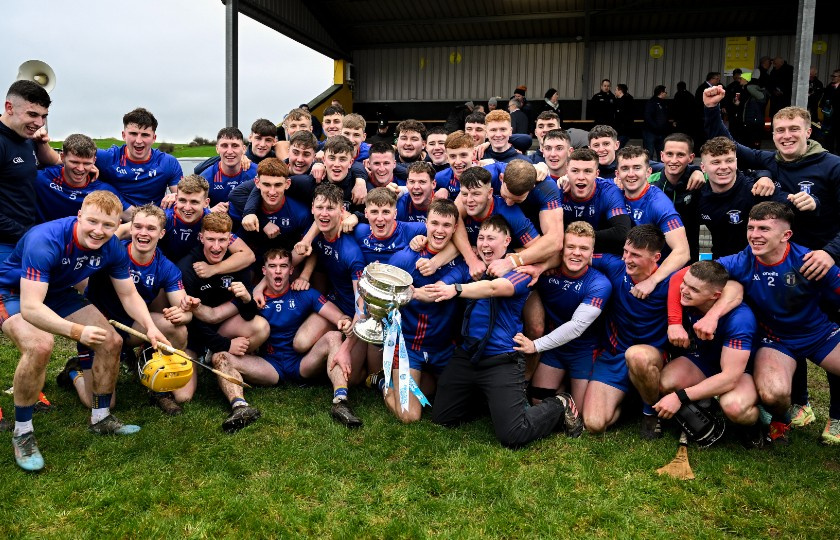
<point x="642" y="194"/>
<point x="420" y="332"/>
<point x="389" y="235"/>
<point x="591" y="195"/>
<point x="268" y="211"/>
<point x="489" y="211"/>
<point x="138" y="263"/>
<point x="76" y="238"/>
<point x="218" y="177"/>
<point x="777" y="263"/>
<point x="564" y="274"/>
<point x="278" y="295"/>
<point x="124" y="157"/>
<point x="63" y="180"/>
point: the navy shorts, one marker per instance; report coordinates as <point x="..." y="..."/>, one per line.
<point x="287" y="366"/>
<point x="815" y="349"/>
<point x="611" y="369"/>
<point x="64" y="302"/>
<point x="578" y="364"/>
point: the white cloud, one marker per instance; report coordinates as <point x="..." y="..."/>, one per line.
<point x="165" y="55"/>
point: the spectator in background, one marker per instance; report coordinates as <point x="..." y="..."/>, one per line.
<point x="656" y="122"/>
<point x="829" y="111"/>
<point x="602" y="107"/>
<point x="731" y="89"/>
<point x="526" y="107"/>
<point x="623" y="113"/>
<point x="457" y="117"/>
<point x="518" y="119"/>
<point x="551" y="103"/>
<point x="683" y="109"/>
<point x="747" y="121"/>
<point x="781" y="85"/>
<point x="317" y="129"/>
<point x="382" y="134"/>
<point x="493" y="103"/>
<point x="699" y="135"/>
<point x="815" y="90"/>
<point x="765" y="67"/>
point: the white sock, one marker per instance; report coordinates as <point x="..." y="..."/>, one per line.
<point x="23" y="427"/>
<point x="98" y="414"/>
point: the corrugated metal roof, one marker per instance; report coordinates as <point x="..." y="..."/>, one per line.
<point x="339" y="27"/>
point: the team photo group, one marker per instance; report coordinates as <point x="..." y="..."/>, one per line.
<point x="451" y="270"/>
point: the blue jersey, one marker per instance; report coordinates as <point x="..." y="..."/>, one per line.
<point x="446" y="179"/>
<point x="508" y="316"/>
<point x="285" y="314"/>
<point x="785" y="303"/>
<point x="562" y="295"/>
<point x="523" y="230"/>
<point x="56" y="199"/>
<point x="653" y="206"/>
<point x="427" y="326"/>
<point x="180" y="237"/>
<point x="735" y="330"/>
<point x="222" y="184"/>
<point x="149" y="279"/>
<point x="406" y="211"/>
<point x="605" y="202"/>
<point x="343" y="262"/>
<point x="50" y="253"/>
<point x="544" y="196"/>
<point x="138" y="183"/>
<point x="381" y="249"/>
<point x="631" y="321"/>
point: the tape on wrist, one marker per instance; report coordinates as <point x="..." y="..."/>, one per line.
<point x="76" y="331"/>
<point x="513" y="261"/>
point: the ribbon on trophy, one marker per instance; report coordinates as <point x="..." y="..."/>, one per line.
<point x="405" y="382"/>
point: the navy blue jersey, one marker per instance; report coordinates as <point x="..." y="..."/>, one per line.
<point x="508" y="316"/>
<point x="785" y="303"/>
<point x="735" y="330"/>
<point x="653" y="206"/>
<point x="180" y="237"/>
<point x="18" y="167"/>
<point x="406" y="211"/>
<point x="605" y="202"/>
<point x="381" y="249"/>
<point x="212" y="291"/>
<point x="50" y="253"/>
<point x="544" y="196"/>
<point x="631" y="321"/>
<point x="562" y="295"/>
<point x="725" y="214"/>
<point x="343" y="263"/>
<point x="138" y="183"/>
<point x="523" y="230"/>
<point x="222" y="184"/>
<point x="57" y="199"/>
<point x="149" y="279"/>
<point x="427" y="326"/>
<point x="285" y="314"/>
<point x="446" y="179"/>
<point x="293" y="219"/>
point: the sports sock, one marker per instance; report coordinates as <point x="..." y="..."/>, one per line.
<point x="648" y="410"/>
<point x="23" y="419"/>
<point x="238" y="402"/>
<point x="834" y="395"/>
<point x="73" y="374"/>
<point x="783" y="418"/>
<point x="381" y="384"/>
<point x="100" y="407"/>
<point x="340" y="394"/>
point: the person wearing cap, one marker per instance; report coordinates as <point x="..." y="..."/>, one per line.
<point x="525" y="106"/>
<point x="551" y="103"/>
<point x="493" y="103"/>
<point x="381" y="134"/>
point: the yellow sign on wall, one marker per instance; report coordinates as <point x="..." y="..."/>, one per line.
<point x="656" y="51"/>
<point x="819" y="47"/>
<point x="739" y="53"/>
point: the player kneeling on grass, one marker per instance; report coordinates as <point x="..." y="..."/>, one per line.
<point x="285" y="310"/>
<point x="574" y="296"/>
<point x="486" y="363"/>
<point x="151" y="273"/>
<point x="37" y="300"/>
<point x="709" y="368"/>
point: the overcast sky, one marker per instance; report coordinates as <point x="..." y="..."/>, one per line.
<point x="166" y="55"/>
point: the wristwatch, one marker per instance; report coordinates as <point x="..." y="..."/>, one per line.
<point x="458" y="289"/>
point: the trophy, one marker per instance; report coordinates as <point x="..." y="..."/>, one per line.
<point x="384" y="288"/>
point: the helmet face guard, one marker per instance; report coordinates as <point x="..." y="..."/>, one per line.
<point x="701" y="422"/>
<point x="163" y="373"/>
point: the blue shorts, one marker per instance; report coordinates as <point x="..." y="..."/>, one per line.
<point x="287" y="365"/>
<point x="708" y="368"/>
<point x="611" y="369"/>
<point x="432" y="362"/>
<point x="63" y="302"/>
<point x="799" y="350"/>
<point x="577" y="363"/>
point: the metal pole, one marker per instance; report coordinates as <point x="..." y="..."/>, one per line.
<point x="232" y="63"/>
<point x="802" y="56"/>
<point x="586" y="76"/>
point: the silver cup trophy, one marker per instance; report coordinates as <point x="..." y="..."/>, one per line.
<point x="384" y="288"/>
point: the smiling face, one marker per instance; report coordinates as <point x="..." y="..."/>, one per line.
<point x="190" y="206"/>
<point x="633" y="174"/>
<point x="23" y="117"/>
<point x="605" y="147"/>
<point x="138" y="142"/>
<point x="215" y="245"/>
<point x="95" y="227"/>
<point x="338" y="165"/>
<point x="439" y="230"/>
<point x="327" y="216"/>
<point x="640" y="263"/>
<point x="556" y="155"/>
<point x="577" y="253"/>
<point x="272" y="190"/>
<point x="491" y="244"/>
<point x="300" y="159"/>
<point x="420" y="188"/>
<point x="695" y="292"/>
<point x="77" y="169"/>
<point x="544" y="126"/>
<point x="477" y="131"/>
<point x="722" y="170"/>
<point x="410" y="145"/>
<point x="356" y="136"/>
<point x="436" y="147"/>
<point x="498" y="133"/>
<point x="146" y="231"/>
<point x="381" y="168"/>
<point x="300" y="124"/>
<point x="261" y="145"/>
<point x="332" y="125"/>
<point x="676" y="158"/>
<point x="768" y="238"/>
<point x="477" y="199"/>
<point x="277" y="271"/>
<point x="460" y="159"/>
<point x="230" y="151"/>
<point x="790" y="135"/>
<point x="582" y="175"/>
<point x="381" y="219"/>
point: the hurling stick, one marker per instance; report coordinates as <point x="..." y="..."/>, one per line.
<point x="168" y="349"/>
<point x="679" y="467"/>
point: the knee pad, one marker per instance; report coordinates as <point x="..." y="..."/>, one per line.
<point x="535" y="392"/>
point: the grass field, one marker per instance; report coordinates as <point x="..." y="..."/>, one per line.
<point x="181" y="150"/>
<point x="295" y="473"/>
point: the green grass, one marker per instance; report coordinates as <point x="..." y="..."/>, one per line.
<point x="181" y="150"/>
<point x="296" y="473"/>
